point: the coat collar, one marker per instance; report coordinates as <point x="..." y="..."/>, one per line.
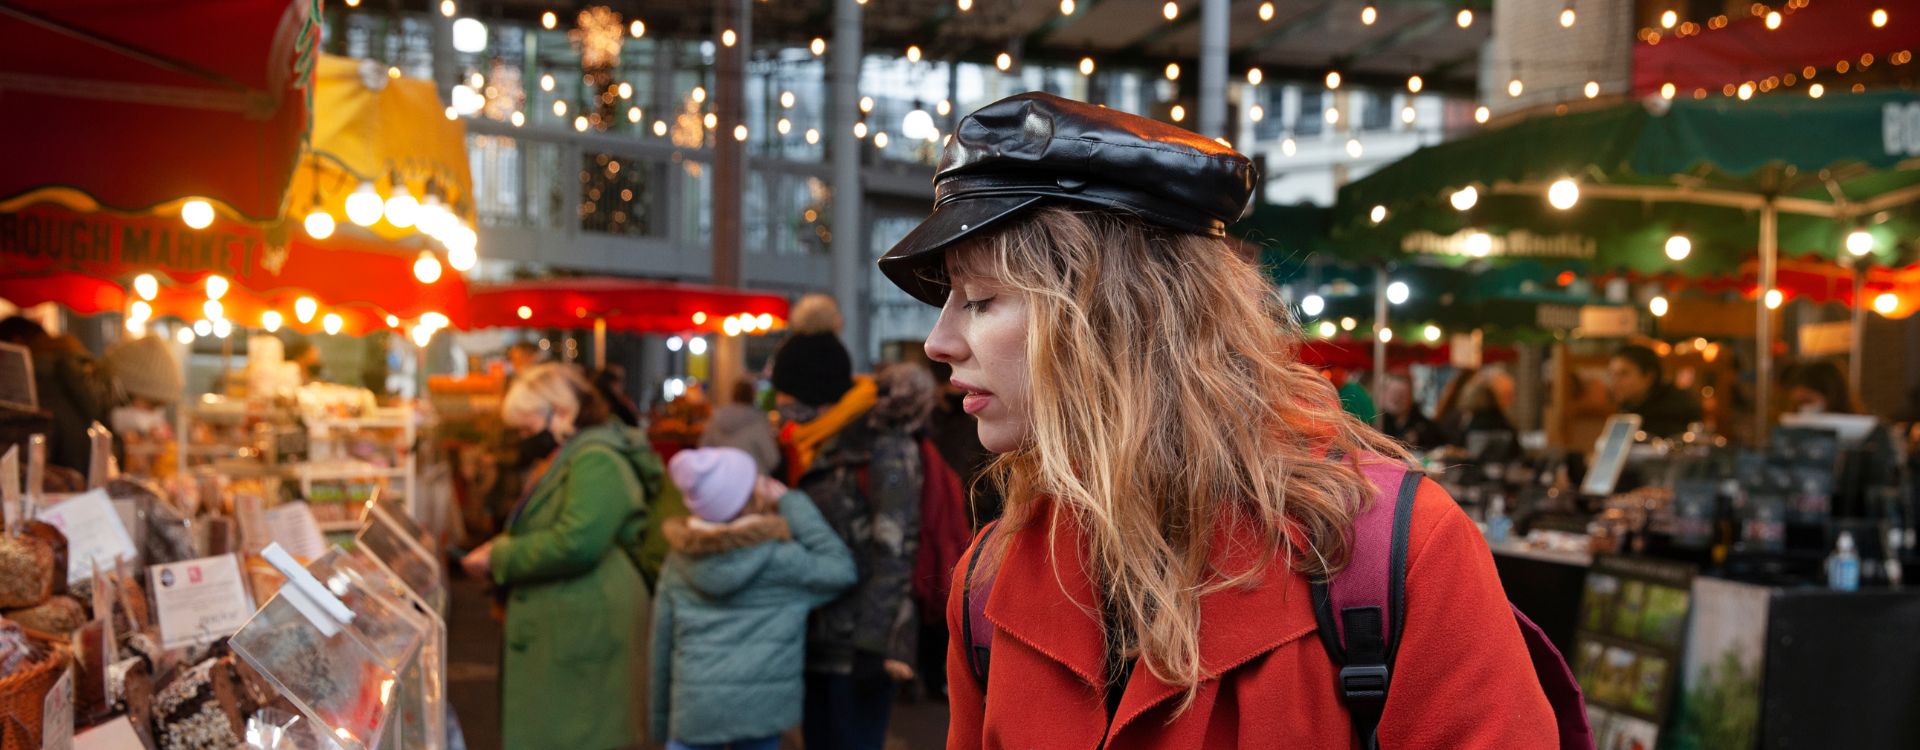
<point x="1056" y="609"/>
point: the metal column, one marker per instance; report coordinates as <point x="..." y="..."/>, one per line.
<point x="729" y="176"/>
<point x="849" y="241"/>
<point x="1213" y="68"/>
<point x="1763" y="318"/>
<point x="1379" y="326"/>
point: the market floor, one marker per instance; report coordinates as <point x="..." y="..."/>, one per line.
<point x="473" y="676"/>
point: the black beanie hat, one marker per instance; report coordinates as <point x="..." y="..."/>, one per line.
<point x="814" y="368"/>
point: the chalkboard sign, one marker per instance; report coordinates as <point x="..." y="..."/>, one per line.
<point x="16" y="379"/>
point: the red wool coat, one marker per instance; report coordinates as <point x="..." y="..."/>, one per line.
<point x="1462" y="678"/>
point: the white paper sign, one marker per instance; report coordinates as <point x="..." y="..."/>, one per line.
<point x="56" y="715"/>
<point x="94" y="532"/>
<point x="199" y="601"/>
<point x="293" y="526"/>
<point x="116" y="734"/>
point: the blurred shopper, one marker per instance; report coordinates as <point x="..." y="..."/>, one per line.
<point x="568" y="564"/>
<point x="611" y="383"/>
<point x="730" y="620"/>
<point x="1640" y="387"/>
<point x="522" y="357"/>
<point x="1402" y="419"/>
<point x="151" y="379"/>
<point x="738" y="424"/>
<point x="71" y="385"/>
<point x="1820" y="388"/>
<point x="301" y="351"/>
<point x="867" y="478"/>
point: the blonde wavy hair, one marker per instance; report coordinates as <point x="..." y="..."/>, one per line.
<point x="1168" y="400"/>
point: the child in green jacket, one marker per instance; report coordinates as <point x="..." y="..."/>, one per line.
<point x="730" y="616"/>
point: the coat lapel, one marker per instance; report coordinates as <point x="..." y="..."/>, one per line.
<point x="1059" y="616"/>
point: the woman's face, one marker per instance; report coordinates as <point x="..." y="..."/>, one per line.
<point x="982" y="333"/>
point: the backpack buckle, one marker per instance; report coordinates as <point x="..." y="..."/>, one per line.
<point x="1364" y="682"/>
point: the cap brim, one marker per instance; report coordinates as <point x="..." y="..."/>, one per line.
<point x="915" y="262"/>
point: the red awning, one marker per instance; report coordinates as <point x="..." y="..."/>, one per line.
<point x="87" y="261"/>
<point x="626" y="304"/>
<point x="130" y="106"/>
<point x="1824" y="35"/>
<point x="1810" y="279"/>
<point x="1357" y="354"/>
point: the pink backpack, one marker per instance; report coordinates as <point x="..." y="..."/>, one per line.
<point x="1369" y="597"/>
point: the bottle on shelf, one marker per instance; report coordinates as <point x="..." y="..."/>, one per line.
<point x="1843" y="567"/>
<point x="1499" y="526"/>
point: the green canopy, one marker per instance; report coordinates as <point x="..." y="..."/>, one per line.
<point x="1780" y="174"/>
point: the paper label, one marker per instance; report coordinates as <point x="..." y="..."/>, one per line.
<point x="116" y="734"/>
<point x="293" y="526"/>
<point x="56" y="715"/>
<point x="94" y="532"/>
<point x="199" y="601"/>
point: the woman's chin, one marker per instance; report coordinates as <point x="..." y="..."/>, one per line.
<point x="999" y="438"/>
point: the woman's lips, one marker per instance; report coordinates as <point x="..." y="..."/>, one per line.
<point x="976" y="400"/>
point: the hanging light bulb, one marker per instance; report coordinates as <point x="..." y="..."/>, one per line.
<point x="674" y="343"/>
<point x="1368" y="15"/>
<point x="1414" y="84"/>
<point x="1254" y="76"/>
<point x="304" y="308"/>
<point x="1386" y="335"/>
<point x="1086" y="66"/>
<point x="1066" y="7"/>
<point x="1879" y="18"/>
<point x="1479" y="244"/>
<point x="222" y="328"/>
<point x="363" y="205"/>
<point x="1775" y="298"/>
<point x="637" y="29"/>
<point x="462" y="248"/>
<point x="1398" y="293"/>
<point x="1408" y="114"/>
<point x="213" y="309"/>
<point x="421" y="335"/>
<point x="1171" y="10"/>
<point x="1679" y="247"/>
<point x="1312" y="305"/>
<point x="184" y="335"/>
<point x="146" y="286"/>
<point x="548" y="20"/>
<point x="1378" y="214"/>
<point x="1287" y="147"/>
<point x="1432" y="333"/>
<point x="813" y="136"/>
<point x="1173" y="71"/>
<point x="1816" y="90"/>
<point x="319" y="224"/>
<point x="1481" y="114"/>
<point x="731" y="326"/>
<point x="1256" y="113"/>
<point x="203" y="327"/>
<point x="1567" y="17"/>
<point x="1859" y="242"/>
<point x="1464" y="198"/>
<point x="1657" y="306"/>
<point x="1327" y="329"/>
<point x="197" y="213"/>
<point x="764" y="321"/>
<point x="1668" y="19"/>
<point x="1886" y="303"/>
<point x="1266" y="11"/>
<point x="332" y="324"/>
<point x="1348" y="324"/>
<point x="1464" y="18"/>
<point x="1773" y="20"/>
<point x="140" y="311"/>
<point x="1003" y="61"/>
<point x="401" y="209"/>
<point x="698" y="345"/>
<point x="217" y="286"/>
<point x="1563" y="193"/>
<point x="1354" y="148"/>
<point x="699" y="318"/>
<point x="1515" y="87"/>
<point x="427" y="267"/>
<point x="1593" y="89"/>
<point x="393" y="321"/>
<point x="270" y="320"/>
<point x="818" y="46"/>
<point x="546" y="81"/>
<point x="1333" y="79"/>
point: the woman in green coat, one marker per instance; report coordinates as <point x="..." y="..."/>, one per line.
<point x="577" y="606"/>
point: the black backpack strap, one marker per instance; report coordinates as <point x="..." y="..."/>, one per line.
<point x="979" y="641"/>
<point x="1364" y="639"/>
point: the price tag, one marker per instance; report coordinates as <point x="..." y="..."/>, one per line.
<point x="199" y="601"/>
<point x="94" y="532"/>
<point x="56" y="715"/>
<point x="116" y="734"/>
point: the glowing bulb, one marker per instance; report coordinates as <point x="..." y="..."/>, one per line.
<point x="727" y="38"/>
<point x="1327" y="329"/>
<point x="637" y="29"/>
<point x="699" y="318"/>
<point x="1348" y="324"/>
<point x="1816" y="90"/>
<point x="1379" y="214"/>
<point x="859" y="130"/>
<point x="1333" y="79"/>
<point x="426" y="268"/>
<point x="1879" y="18"/>
<point x="546" y="82"/>
<point x="1266" y="11"/>
<point x="213" y="309"/>
<point x="469" y="35"/>
<point x="1668" y="19"/>
<point x="1003" y="61"/>
<point x="197" y="213"/>
<point x="1178" y="113"/>
<point x="1514" y="87"/>
<point x="1746" y="91"/>
<point x="549" y="20"/>
<point x="1464" y="198"/>
<point x="1773" y="20"/>
<point x="1593" y="89"/>
<point x="1464" y="18"/>
<point x="764" y="321"/>
<point x="1312" y="305"/>
<point x="1481" y="114"/>
<point x="710" y="120"/>
<point x="363" y="205"/>
<point x="964" y="5"/>
<point x="1859" y="242"/>
<point x="1287" y="147"/>
<point x="434" y="320"/>
<point x="659" y="127"/>
<point x="1173" y="71"/>
<point x="1254" y="76"/>
<point x="740" y="132"/>
<point x="1386" y="335"/>
<point x="222" y="328"/>
<point x="422" y="335"/>
<point x="524" y="312"/>
<point x="1353" y="148"/>
<point x="1657" y="306"/>
<point x="140" y="310"/>
<point x="1667" y="90"/>
<point x="304" y="308"/>
<point x="731" y="326"/>
<point x="447" y="8"/>
<point x="1774" y="299"/>
<point x="697" y="346"/>
<point x="1368" y="15"/>
<point x="146" y="286"/>
<point x="866" y="105"/>
<point x="1171" y="10"/>
<point x="1332" y="115"/>
<point x="818" y="46"/>
<point x="1432" y="332"/>
<point x="184" y="335"/>
<point x="270" y="320"/>
<point x="401" y="209"/>
<point x="1066" y="7"/>
<point x="1887" y="302"/>
<point x="203" y="328"/>
<point x="1415" y="83"/>
<point x="135" y="325"/>
<point x="913" y="53"/>
<point x="1567" y="17"/>
<point x="1256" y="113"/>
<point x="1679" y="247"/>
<point x="880" y="140"/>
<point x="1086" y="66"/>
<point x="319" y="224"/>
<point x="674" y="343"/>
<point x="393" y="321"/>
<point x="1479" y="244"/>
<point x="332" y="323"/>
<point x="1408" y="114"/>
<point x="786" y="99"/>
<point x="813" y="136"/>
<point x="461" y="252"/>
<point x="1563" y="194"/>
<point x="1398" y="293"/>
<point x="784" y="125"/>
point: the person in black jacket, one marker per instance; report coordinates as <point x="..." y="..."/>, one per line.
<point x="1402" y="419"/>
<point x="1640" y="387"/>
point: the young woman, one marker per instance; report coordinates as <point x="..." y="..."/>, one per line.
<point x="1174" y="478"/>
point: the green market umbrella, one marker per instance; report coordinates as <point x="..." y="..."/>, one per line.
<point x="1780" y="174"/>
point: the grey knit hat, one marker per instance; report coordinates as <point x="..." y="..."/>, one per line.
<point x="145" y="368"/>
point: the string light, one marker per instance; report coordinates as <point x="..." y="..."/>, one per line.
<point x="1312" y="305"/>
<point x="1327" y="329"/>
<point x="146" y="286"/>
<point x="447" y="8"/>
<point x="203" y="327"/>
<point x="1266" y="11"/>
<point x="913" y="53"/>
<point x="783" y="125"/>
<point x="1886" y="303"/>
<point x="1173" y="71"/>
<point x="1386" y="335"/>
<point x="1287" y="147"/>
<point x="1066" y="7"/>
<point x="1859" y="242"/>
<point x="944" y="108"/>
<point x="660" y="128"/>
<point x="1514" y="87"/>
<point x="1879" y="18"/>
<point x="1432" y="332"/>
<point x="1333" y="79"/>
<point x="711" y="121"/>
<point x="549" y="20"/>
<point x="1414" y="84"/>
<point x="1775" y="298"/>
<point x="1563" y="194"/>
<point x="1332" y="115"/>
<point x="1256" y="113"/>
<point x="1679" y="247"/>
<point x="637" y="29"/>
<point x="813" y="136"/>
<point x="546" y="81"/>
<point x="1086" y="66"/>
<point x="1464" y="198"/>
<point x="699" y="94"/>
<point x="222" y="328"/>
<point x="1567" y="17"/>
<point x="1368" y="15"/>
<point x="633" y="114"/>
<point x="560" y="108"/>
<point x="1464" y="18"/>
<point x="1481" y="114"/>
<point x="217" y="286"/>
<point x="401" y="208"/>
<point x="964" y="5"/>
<point x="1348" y="324"/>
<point x="271" y="320"/>
<point x="1666" y="90"/>
<point x="1254" y="76"/>
<point x="1379" y="214"/>
<point x="332" y="323"/>
<point x="866" y="105"/>
<point x="1593" y="89"/>
<point x="1353" y="148"/>
<point x="859" y="130"/>
<point x="213" y="309"/>
<point x="1171" y="10"/>
<point x="1003" y="61"/>
<point x="319" y="224"/>
<point x="740" y="132"/>
<point x="1657" y="306"/>
<point x="1773" y="20"/>
<point x="426" y="268"/>
<point x="727" y="38"/>
<point x="184" y="335"/>
<point x="1746" y="91"/>
<point x="1668" y="19"/>
<point x="197" y="213"/>
<point x="304" y="308"/>
<point x="1408" y="114"/>
<point x="1816" y="90"/>
<point x="818" y="46"/>
<point x="1178" y="113"/>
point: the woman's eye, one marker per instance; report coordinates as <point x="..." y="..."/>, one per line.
<point x="977" y="305"/>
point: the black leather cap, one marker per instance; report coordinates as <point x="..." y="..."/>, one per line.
<point x="1035" y="147"/>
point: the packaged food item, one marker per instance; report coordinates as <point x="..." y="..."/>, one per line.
<point x="26" y="571"/>
<point x="59" y="615"/>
